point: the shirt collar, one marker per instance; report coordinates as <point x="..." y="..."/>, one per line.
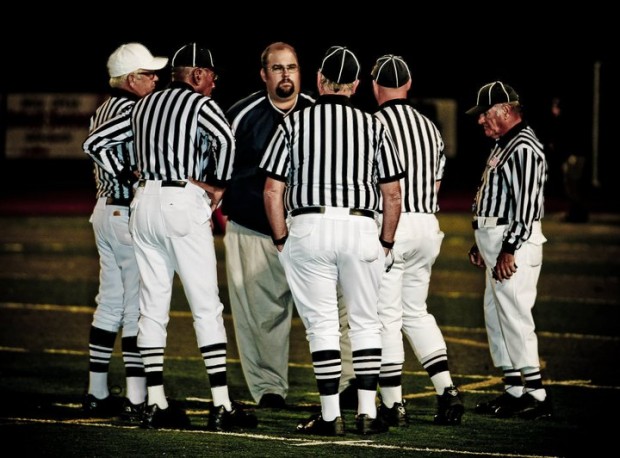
<point x="181" y="85"/>
<point x="335" y="99"/>
<point x="512" y="133"/>
<point x="391" y="102"/>
<point x="279" y="110"/>
<point x="117" y="92"/>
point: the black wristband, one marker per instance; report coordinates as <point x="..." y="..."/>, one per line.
<point x="384" y="244"/>
<point x="279" y="241"/>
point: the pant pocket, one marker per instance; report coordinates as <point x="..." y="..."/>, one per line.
<point x="202" y="203"/>
<point x="120" y="226"/>
<point x="303" y="247"/>
<point x="370" y="247"/>
<point x="534" y="249"/>
<point x="176" y="216"/>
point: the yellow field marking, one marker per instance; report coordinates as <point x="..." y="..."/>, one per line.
<point x="188" y="314"/>
<point x="467" y="342"/>
<point x="488" y="382"/>
<point x="485" y="383"/>
<point x="14" y="349"/>
<point x="48" y="307"/>
<point x="62" y="351"/>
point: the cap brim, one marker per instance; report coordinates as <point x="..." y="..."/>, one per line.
<point x="157" y="64"/>
<point x="477" y="110"/>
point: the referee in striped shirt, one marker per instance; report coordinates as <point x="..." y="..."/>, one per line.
<point x="326" y="165"/>
<point x="508" y="208"/>
<point x="179" y="134"/>
<point x="404" y="289"/>
<point x="132" y="75"/>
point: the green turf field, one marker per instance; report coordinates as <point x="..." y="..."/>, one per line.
<point x="48" y="281"/>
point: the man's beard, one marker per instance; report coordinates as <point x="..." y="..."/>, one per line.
<point x="284" y="93"/>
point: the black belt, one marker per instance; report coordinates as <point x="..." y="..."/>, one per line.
<point x="166" y="183"/>
<point x="121" y="202"/>
<point x="352" y="211"/>
<point x="500" y="222"/>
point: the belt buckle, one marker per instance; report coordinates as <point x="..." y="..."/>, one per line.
<point x="487" y="221"/>
<point x="491" y="221"/>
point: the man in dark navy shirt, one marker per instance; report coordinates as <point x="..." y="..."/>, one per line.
<point x="260" y="297"/>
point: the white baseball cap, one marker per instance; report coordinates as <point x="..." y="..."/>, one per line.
<point x="130" y="57"/>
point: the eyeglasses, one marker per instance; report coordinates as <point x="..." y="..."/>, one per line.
<point x="211" y="72"/>
<point x="149" y="74"/>
<point x="277" y="68"/>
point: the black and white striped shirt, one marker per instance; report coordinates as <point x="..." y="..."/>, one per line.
<point x="119" y="102"/>
<point x="513" y="182"/>
<point x="176" y="132"/>
<point x="332" y="154"/>
<point x="421" y="151"/>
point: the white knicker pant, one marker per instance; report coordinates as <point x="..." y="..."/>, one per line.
<point x="404" y="289"/>
<point x="508" y="305"/>
<point x="262" y="308"/>
<point x="171" y="231"/>
<point x="119" y="279"/>
<point x="322" y="250"/>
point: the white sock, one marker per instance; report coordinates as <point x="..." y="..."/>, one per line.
<point x="136" y="389"/>
<point x="515" y="390"/>
<point x="157" y="396"/>
<point x="441" y="381"/>
<point x="221" y="397"/>
<point x="539" y="394"/>
<point x="98" y="384"/>
<point x="366" y="403"/>
<point x="330" y="407"/>
<point x="391" y="395"/>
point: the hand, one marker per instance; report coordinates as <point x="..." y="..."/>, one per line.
<point x="505" y="267"/>
<point x="214" y="193"/>
<point x="128" y="177"/>
<point x="474" y="257"/>
<point x="389" y="258"/>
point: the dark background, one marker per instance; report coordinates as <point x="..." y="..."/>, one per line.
<point x="451" y="51"/>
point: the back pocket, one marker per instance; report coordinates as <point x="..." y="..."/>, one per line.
<point x="369" y="245"/>
<point x="303" y="246"/>
<point x="176" y="215"/>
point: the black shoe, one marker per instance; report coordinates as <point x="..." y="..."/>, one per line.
<point x="221" y="419"/>
<point x="503" y="406"/>
<point x="173" y="417"/>
<point x="106" y="407"/>
<point x="272" y="401"/>
<point x="450" y="407"/>
<point x="366" y="425"/>
<point x="394" y="416"/>
<point x="316" y="426"/>
<point x="348" y="396"/>
<point x="132" y="414"/>
<point x="531" y="408"/>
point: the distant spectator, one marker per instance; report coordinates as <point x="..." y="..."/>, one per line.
<point x="566" y="154"/>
